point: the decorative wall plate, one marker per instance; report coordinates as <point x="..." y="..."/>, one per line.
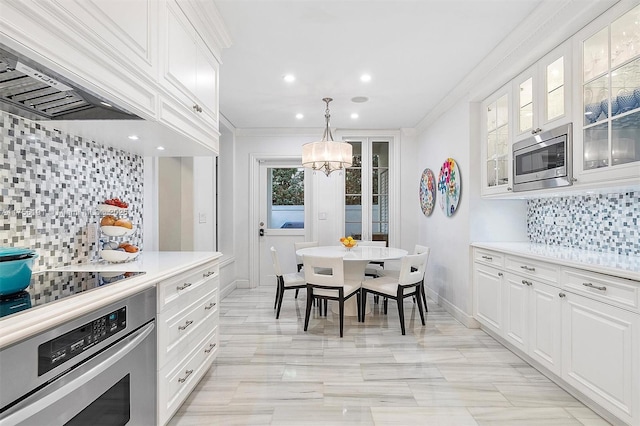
<point x="449" y="184"/>
<point x="427" y="191"/>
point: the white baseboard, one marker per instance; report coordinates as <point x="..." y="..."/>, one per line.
<point x="464" y="318"/>
<point x="228" y="289"/>
<point x="242" y="284"/>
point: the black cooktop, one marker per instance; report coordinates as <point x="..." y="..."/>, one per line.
<point x="50" y="286"/>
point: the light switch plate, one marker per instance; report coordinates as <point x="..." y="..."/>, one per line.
<point x="202" y="218"/>
<point x="322" y="215"/>
<point x="92" y="233"/>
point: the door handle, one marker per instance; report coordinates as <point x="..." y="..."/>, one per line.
<point x="261" y="232"/>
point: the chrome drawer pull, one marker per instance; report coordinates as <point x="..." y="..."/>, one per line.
<point x="562" y="295"/>
<point x="526" y="268"/>
<point x="182" y="287"/>
<point x="487" y="257"/>
<point x="211" y="346"/>
<point x="207" y="274"/>
<point x="209" y="306"/>
<point x="603" y="288"/>
<point x="527" y="282"/>
<point x="500" y="274"/>
<point x="187" y="374"/>
<point x="186" y="324"/>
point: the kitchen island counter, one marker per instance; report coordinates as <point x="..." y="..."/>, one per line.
<point x="156" y="265"/>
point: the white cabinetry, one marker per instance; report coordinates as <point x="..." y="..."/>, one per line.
<point x="601" y="354"/>
<point x="190" y="77"/>
<point x="607" y="123"/>
<point x="581" y="326"/>
<point x="109" y="53"/>
<point x="188" y="338"/>
<point x="542" y="95"/>
<point x="496" y="143"/>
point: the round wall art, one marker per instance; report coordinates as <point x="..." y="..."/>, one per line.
<point x="427" y="191"/>
<point x="449" y="184"/>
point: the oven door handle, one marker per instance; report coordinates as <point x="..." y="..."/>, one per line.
<point x="38" y="402"/>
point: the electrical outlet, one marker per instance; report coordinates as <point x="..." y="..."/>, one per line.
<point x="548" y="220"/>
<point x="202" y="218"/>
<point x="561" y="221"/>
<point x="92" y="233"/>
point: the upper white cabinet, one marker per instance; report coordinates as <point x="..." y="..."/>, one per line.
<point x="542" y="95"/>
<point x="92" y="43"/>
<point x="496" y="143"/>
<point x="607" y="129"/>
<point x="190" y="76"/>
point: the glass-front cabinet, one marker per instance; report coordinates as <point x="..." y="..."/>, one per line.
<point x="496" y="146"/>
<point x="609" y="142"/>
<point x="542" y="95"/>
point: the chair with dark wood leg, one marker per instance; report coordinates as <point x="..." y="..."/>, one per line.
<point x="284" y="281"/>
<point x="324" y="285"/>
<point x="407" y="284"/>
<point x="418" y="249"/>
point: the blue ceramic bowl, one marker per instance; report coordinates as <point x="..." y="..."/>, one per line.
<point x="592" y="112"/>
<point x="15" y="275"/>
<point x="615" y="107"/>
<point x="626" y="100"/>
<point x="636" y="94"/>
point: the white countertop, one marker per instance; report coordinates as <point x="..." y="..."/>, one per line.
<point x="606" y="263"/>
<point x="157" y="265"/>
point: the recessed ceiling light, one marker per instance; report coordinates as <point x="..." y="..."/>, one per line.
<point x="299" y="116"/>
<point x="106" y="104"/>
<point x="365" y="78"/>
<point x="359" y="99"/>
<point x="133" y="137"/>
<point x="160" y="148"/>
<point x="289" y="78"/>
<point x="355" y="115"/>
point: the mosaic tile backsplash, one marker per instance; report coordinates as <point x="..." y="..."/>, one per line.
<point x="598" y="222"/>
<point x="51" y="185"/>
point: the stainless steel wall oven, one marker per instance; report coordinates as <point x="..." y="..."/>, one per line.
<point x="99" y="369"/>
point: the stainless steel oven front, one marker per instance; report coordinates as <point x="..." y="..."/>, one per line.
<point x="544" y="160"/>
<point x="99" y="369"/>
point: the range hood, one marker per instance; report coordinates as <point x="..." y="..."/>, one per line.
<point x="29" y="90"/>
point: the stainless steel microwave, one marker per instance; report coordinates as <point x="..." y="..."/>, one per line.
<point x="544" y="160"/>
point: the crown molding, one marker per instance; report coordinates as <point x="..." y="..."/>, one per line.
<point x="550" y="24"/>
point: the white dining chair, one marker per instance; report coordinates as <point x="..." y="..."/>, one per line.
<point x="289" y="281"/>
<point x="418" y="249"/>
<point x="328" y="286"/>
<point x="407" y="284"/>
<point x="373" y="268"/>
<point x="300" y="245"/>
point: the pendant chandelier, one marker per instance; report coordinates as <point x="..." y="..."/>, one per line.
<point x="327" y="155"/>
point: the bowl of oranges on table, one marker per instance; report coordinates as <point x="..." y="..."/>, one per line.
<point x="348" y="242"/>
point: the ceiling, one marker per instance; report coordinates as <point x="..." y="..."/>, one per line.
<point x="416" y="52"/>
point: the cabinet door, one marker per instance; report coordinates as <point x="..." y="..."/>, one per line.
<point x="487" y="296"/>
<point x="545" y="326"/>
<point x="207" y="82"/>
<point x="496" y="144"/>
<point x="516" y="321"/>
<point x="181" y="51"/>
<point x="542" y="94"/>
<point x="601" y="354"/>
<point x="607" y="144"/>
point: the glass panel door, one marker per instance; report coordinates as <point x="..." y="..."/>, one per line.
<point x="285" y="208"/>
<point x="367" y="183"/>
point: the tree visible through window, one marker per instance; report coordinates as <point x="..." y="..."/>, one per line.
<point x="286" y="198"/>
<point x="287" y="186"/>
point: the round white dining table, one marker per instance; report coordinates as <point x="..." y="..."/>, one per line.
<point x="355" y="263"/>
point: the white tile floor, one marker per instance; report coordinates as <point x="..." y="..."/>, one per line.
<point x="272" y="372"/>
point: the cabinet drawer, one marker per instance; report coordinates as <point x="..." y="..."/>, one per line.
<point x="177" y="331"/>
<point x="616" y="291"/>
<point x="176" y="381"/>
<point x="488" y="257"/>
<point x="177" y="290"/>
<point x="533" y="269"/>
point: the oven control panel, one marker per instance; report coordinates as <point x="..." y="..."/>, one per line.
<point x="63" y="348"/>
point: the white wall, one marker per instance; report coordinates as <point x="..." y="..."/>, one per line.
<point x="448" y="278"/>
<point x="203" y="214"/>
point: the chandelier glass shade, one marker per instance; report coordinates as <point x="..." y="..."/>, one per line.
<point x="327" y="155"/>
